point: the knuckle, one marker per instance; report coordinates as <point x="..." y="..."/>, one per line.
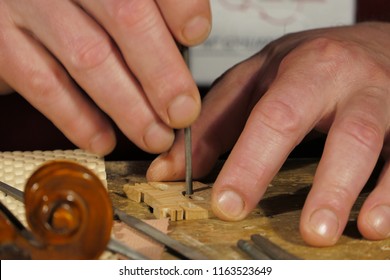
<point x="332" y="50"/>
<point x="170" y="82"/>
<point x="87" y="54"/>
<point x="341" y="60"/>
<point x="374" y="70"/>
<point x="338" y="195"/>
<point x="131" y="13"/>
<point x="44" y="84"/>
<point x="280" y="117"/>
<point x="72" y="124"/>
<point x="326" y="56"/>
<point x="365" y="132"/>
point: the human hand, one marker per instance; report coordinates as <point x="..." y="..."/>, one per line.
<point x="121" y="53"/>
<point x="333" y="80"/>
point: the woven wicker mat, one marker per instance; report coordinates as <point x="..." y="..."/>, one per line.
<point x="16" y="167"/>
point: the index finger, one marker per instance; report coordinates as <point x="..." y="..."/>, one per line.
<point x="292" y="106"/>
<point x="151" y="53"/>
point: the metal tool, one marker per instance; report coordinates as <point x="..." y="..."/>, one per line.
<point x="188" y="155"/>
<point x="117" y="247"/>
<point x="271" y="249"/>
<point x="252" y="250"/>
<point x="187" y="136"/>
<point x="262" y="249"/>
<point x="21" y="229"/>
<point x="113" y="245"/>
<point x="170" y="243"/>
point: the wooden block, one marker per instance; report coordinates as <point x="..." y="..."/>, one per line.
<point x="136" y="192"/>
<point x="193" y="211"/>
<point x="167" y="199"/>
<point x="174" y="212"/>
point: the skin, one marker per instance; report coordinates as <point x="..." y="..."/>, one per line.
<point x="80" y="61"/>
<point x="333" y="80"/>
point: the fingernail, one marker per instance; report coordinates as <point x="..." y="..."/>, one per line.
<point x="230" y="204"/>
<point x="158" y="138"/>
<point x="379" y="219"/>
<point x="196" y="30"/>
<point x="182" y="111"/>
<point x="325" y="223"/>
<point x="102" y="143"/>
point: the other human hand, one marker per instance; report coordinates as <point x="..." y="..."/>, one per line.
<point x="332" y="80"/>
<point x="74" y="60"/>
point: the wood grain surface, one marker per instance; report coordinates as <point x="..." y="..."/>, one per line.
<point x="276" y="217"/>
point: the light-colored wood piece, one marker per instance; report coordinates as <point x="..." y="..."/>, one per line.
<point x="167" y="200"/>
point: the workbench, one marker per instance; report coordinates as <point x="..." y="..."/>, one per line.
<point x="276" y="217"/>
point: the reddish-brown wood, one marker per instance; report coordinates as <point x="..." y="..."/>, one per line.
<point x="68" y="211"/>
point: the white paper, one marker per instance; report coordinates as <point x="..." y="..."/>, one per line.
<point x="243" y="27"/>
